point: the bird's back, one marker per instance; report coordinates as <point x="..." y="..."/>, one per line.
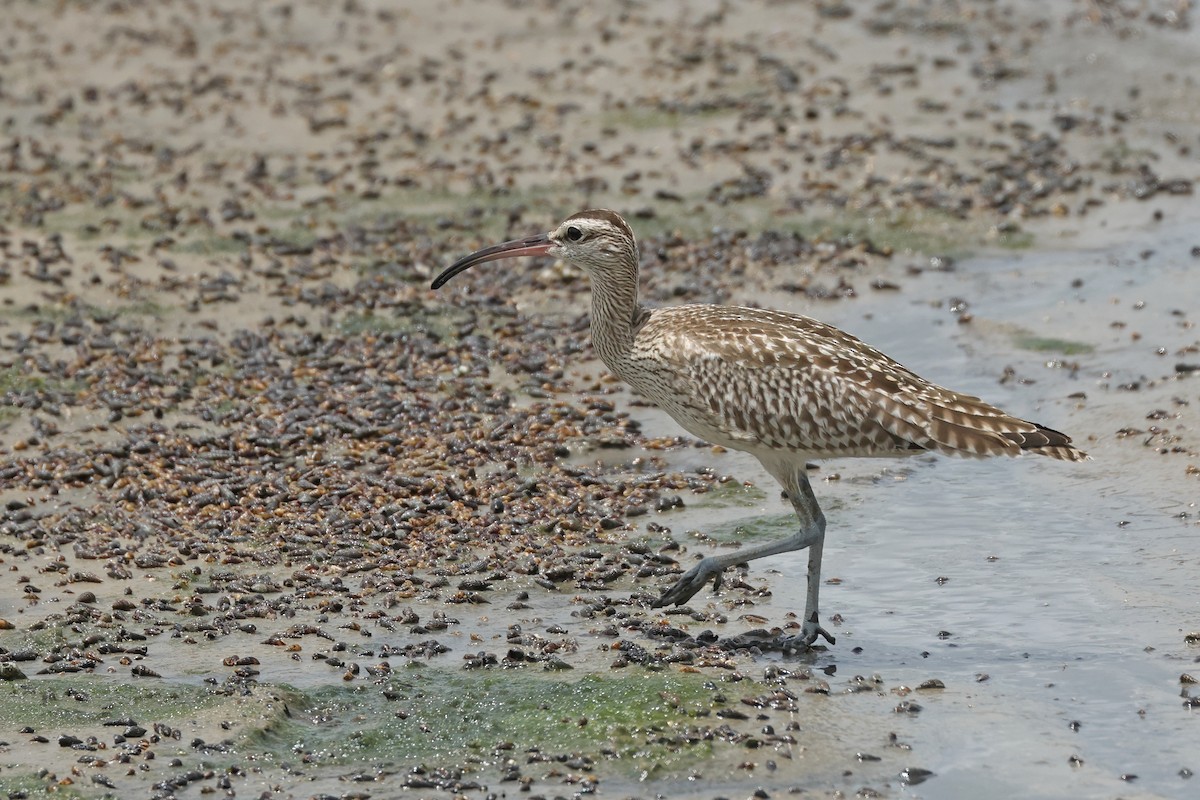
<point x="765" y="381"/>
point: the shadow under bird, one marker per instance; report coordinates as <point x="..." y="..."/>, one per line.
<point x="783" y="387"/>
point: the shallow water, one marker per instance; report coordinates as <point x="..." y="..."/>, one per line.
<point x="1043" y="594"/>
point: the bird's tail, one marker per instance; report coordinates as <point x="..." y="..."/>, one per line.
<point x="966" y="426"/>
<point x="1048" y="442"/>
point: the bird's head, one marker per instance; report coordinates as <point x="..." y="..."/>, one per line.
<point x="597" y="241"/>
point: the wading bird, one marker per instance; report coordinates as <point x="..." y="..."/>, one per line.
<point x="783" y="387"/>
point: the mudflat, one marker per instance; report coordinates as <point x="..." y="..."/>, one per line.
<point x="276" y="520"/>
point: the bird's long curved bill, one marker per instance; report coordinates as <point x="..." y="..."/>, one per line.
<point x="531" y="246"/>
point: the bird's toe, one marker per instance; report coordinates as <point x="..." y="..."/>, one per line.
<point x="808" y="636"/>
<point x="692" y="582"/>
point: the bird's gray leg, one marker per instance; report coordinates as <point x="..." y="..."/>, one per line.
<point x="811" y="518"/>
<point x="711" y="567"/>
<point x="810" y="535"/>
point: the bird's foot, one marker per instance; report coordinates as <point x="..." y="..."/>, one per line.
<point x="808" y="635"/>
<point x="692" y="581"/>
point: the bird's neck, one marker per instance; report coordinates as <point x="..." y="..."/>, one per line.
<point x="616" y="316"/>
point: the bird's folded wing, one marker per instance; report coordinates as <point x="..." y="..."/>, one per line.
<point x="788" y="381"/>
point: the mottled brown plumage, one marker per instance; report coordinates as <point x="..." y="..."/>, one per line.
<point x="754" y="378"/>
<point x="784" y="387"/>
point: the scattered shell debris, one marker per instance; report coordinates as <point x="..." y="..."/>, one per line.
<point x="277" y="521"/>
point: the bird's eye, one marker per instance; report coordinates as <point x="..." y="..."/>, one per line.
<point x="574" y="234"/>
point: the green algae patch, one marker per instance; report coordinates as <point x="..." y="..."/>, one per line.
<point x="77" y="702"/>
<point x="441" y="323"/>
<point x="369" y="322"/>
<point x="732" y="494"/>
<point x="16" y="381"/>
<point x="29" y="786"/>
<point x="1049" y="344"/>
<point x="210" y="245"/>
<point x="433" y="717"/>
<point x="76" y="730"/>
<point x="642" y="118"/>
<point x="909" y="231"/>
<point x="768" y="526"/>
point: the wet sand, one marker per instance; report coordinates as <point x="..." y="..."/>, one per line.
<point x="279" y="521"/>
